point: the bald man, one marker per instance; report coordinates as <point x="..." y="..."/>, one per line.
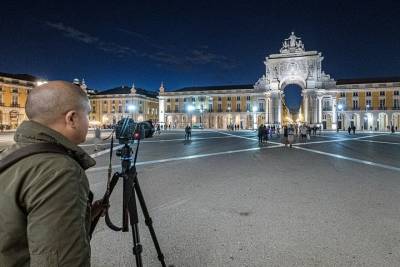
<point x="44" y="198"/>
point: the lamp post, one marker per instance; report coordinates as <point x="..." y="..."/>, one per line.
<point x="254" y="118"/>
<point x="229" y="116"/>
<point x="190" y="109"/>
<point x="366" y="117"/>
<point x="201" y="117"/>
<point x="131" y="109"/>
<point x="338" y="108"/>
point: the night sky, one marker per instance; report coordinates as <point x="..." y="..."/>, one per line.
<point x="193" y="43"/>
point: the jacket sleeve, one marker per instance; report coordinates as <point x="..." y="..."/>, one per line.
<point x="57" y="208"/>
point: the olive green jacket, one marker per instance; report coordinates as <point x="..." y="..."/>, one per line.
<point x="44" y="207"/>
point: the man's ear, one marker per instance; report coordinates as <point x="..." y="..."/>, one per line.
<point x="70" y="118"/>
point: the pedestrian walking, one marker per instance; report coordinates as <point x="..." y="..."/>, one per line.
<point x="97" y="138"/>
<point x="349" y="130"/>
<point x="290" y="135"/>
<point x="266" y="131"/>
<point x="354" y="129"/>
<point x="260" y="133"/>
<point x="187" y="132"/>
<point x="285" y="135"/>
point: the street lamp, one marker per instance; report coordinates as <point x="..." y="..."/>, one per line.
<point x="131" y="109"/>
<point x="40" y="82"/>
<point x="366" y="117"/>
<point x="254" y="117"/>
<point x="190" y="108"/>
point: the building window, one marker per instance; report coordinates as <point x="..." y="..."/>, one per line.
<point x="201" y="99"/>
<point x="355" y="93"/>
<point x="369" y="93"/>
<point x="176" y="108"/>
<point x="238" y="107"/>
<point x="219" y="107"/>
<point x="368" y="103"/>
<point x="396" y="92"/>
<point x="382" y="93"/>
<point x="248" y="98"/>
<point x="185" y="99"/>
<point x="342" y="94"/>
<point x="168" y="100"/>
<point x="1" y="99"/>
<point x="120" y="109"/>
<point x="219" y="98"/>
<point x="229" y="98"/>
<point x="228" y="107"/>
<point x="261" y="106"/>
<point x="168" y="108"/>
<point x="355" y="104"/>
<point x="382" y="103"/>
<point x="396" y="103"/>
<point x="238" y="98"/>
<point x="248" y="107"/>
<point x="210" y="107"/>
<point x="15" y="90"/>
<point x="14" y="100"/>
<point x="193" y="99"/>
<point x="176" y="99"/>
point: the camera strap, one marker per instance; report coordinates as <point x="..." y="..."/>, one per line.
<point x="29" y="150"/>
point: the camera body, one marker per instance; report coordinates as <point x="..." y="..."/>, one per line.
<point x="126" y="130"/>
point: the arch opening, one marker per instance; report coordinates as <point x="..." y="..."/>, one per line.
<point x="293" y="100"/>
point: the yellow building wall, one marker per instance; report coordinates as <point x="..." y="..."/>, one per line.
<point x="243" y="103"/>
<point x="215" y="104"/>
<point x="389" y="99"/>
<point x="349" y="101"/>
<point x="234" y="101"/>
<point x="224" y="103"/>
<point x="361" y="100"/>
<point x="375" y="99"/>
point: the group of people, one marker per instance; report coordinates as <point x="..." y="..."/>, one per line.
<point x="351" y="128"/>
<point x="265" y="132"/>
<point x="234" y="127"/>
<point x="188" y="132"/>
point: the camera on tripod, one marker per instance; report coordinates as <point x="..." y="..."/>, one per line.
<point x="127" y="130"/>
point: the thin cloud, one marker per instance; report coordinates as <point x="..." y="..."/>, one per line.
<point x="77" y="35"/>
<point x="73" y="33"/>
<point x="199" y="56"/>
<point x="191" y="58"/>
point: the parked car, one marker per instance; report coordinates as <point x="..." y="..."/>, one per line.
<point x="197" y="126"/>
<point x="147" y="128"/>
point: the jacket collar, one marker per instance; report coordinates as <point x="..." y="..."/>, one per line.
<point x="33" y="132"/>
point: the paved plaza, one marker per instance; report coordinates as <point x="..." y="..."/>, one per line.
<point x="222" y="199"/>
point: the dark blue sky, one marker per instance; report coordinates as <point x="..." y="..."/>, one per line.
<point x="193" y="43"/>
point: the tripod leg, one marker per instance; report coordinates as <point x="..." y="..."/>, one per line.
<point x="148" y="221"/>
<point x="131" y="211"/>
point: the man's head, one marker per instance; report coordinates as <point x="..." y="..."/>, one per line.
<point x="61" y="106"/>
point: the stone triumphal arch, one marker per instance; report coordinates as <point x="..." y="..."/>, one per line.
<point x="294" y="65"/>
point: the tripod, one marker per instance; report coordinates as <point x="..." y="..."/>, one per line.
<point x="131" y="189"/>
